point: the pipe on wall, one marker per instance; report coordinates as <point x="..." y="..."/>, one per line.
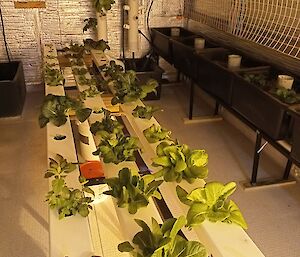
<point x="133" y="19"/>
<point x="101" y="26"/>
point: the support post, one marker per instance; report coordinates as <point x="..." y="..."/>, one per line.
<point x="256" y="158"/>
<point x="216" y="112"/>
<point x="191" y="100"/>
<point x="287" y="170"/>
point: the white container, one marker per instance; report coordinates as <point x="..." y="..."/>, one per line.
<point x="199" y="43"/>
<point x="285" y="81"/>
<point x="175" y="32"/>
<point x="234" y="61"/>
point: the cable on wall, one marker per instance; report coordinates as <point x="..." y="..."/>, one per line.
<point x="4" y="36"/>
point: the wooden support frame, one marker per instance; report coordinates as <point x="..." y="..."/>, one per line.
<point x="29" y="4"/>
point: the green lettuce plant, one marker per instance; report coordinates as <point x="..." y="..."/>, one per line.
<point x="80" y="71"/>
<point x="288" y="96"/>
<point x="211" y="203"/>
<point x="109" y="125"/>
<point x="90" y="23"/>
<point x="66" y="200"/>
<point x="144" y="112"/>
<point x="162" y="241"/>
<point x="101" y="45"/>
<point x="77" y="62"/>
<point x="127" y="89"/>
<point x="53" y="77"/>
<point x="259" y="80"/>
<point x="55" y="110"/>
<point x="178" y="162"/>
<point x="155" y="134"/>
<point x="74" y="50"/>
<point x="102" y="6"/>
<point x="117" y="148"/>
<point x="132" y="191"/>
<point x="92" y="91"/>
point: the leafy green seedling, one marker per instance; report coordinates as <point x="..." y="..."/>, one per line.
<point x="109" y="125"/>
<point x="66" y="200"/>
<point x="80" y="71"/>
<point x="101" y="45"/>
<point x="55" y="108"/>
<point x="288" y="96"/>
<point x="178" y="162"/>
<point x="102" y="6"/>
<point x="155" y="134"/>
<point x="259" y="80"/>
<point x="92" y="91"/>
<point x="144" y="112"/>
<point x="90" y="23"/>
<point x="210" y="202"/>
<point x="162" y="241"/>
<point x="53" y="77"/>
<point x="127" y="89"/>
<point x="117" y="148"/>
<point x="132" y="191"/>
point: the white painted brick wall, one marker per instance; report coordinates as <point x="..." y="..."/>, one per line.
<point x="62" y="21"/>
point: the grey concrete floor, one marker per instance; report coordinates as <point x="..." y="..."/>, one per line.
<point x="273" y="214"/>
<point x="23" y="160"/>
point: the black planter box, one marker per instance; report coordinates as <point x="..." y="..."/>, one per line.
<point x="215" y="76"/>
<point x="146" y="69"/>
<point x="12" y="89"/>
<point x="259" y="107"/>
<point x="161" y="41"/>
<point x="295" y="112"/>
<point x="184" y="58"/>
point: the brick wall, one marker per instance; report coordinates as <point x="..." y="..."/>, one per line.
<point x="62" y="21"/>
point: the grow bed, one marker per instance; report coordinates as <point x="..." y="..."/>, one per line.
<point x="184" y="58"/>
<point x="12" y="89"/>
<point x="161" y="40"/>
<point x="214" y="75"/>
<point x="258" y="106"/>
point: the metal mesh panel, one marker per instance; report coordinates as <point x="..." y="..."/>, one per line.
<point x="272" y="23"/>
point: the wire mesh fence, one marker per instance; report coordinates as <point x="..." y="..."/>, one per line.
<point x="272" y="23"/>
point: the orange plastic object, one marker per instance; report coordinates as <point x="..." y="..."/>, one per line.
<point x="92" y="169"/>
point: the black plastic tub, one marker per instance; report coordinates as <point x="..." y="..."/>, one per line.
<point x="295" y="152"/>
<point x="161" y="40"/>
<point x="258" y="106"/>
<point x="146" y="69"/>
<point x="215" y="76"/>
<point x="12" y="89"/>
<point x="184" y="58"/>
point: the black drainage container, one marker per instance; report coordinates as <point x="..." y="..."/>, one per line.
<point x="161" y="40"/>
<point x="12" y="89"/>
<point x="258" y="106"/>
<point x="184" y="57"/>
<point x="146" y="69"/>
<point x="216" y="77"/>
<point x="295" y="153"/>
<point x="213" y="78"/>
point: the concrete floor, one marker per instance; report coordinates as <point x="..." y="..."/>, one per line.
<point x="273" y="214"/>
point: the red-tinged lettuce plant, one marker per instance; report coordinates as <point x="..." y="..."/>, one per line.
<point x="211" y="203"/>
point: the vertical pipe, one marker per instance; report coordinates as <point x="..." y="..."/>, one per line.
<point x="86" y="141"/>
<point x="256" y="158"/>
<point x="133" y="25"/>
<point x="102" y="26"/>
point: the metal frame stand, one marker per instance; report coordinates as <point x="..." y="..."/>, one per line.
<point x="253" y="182"/>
